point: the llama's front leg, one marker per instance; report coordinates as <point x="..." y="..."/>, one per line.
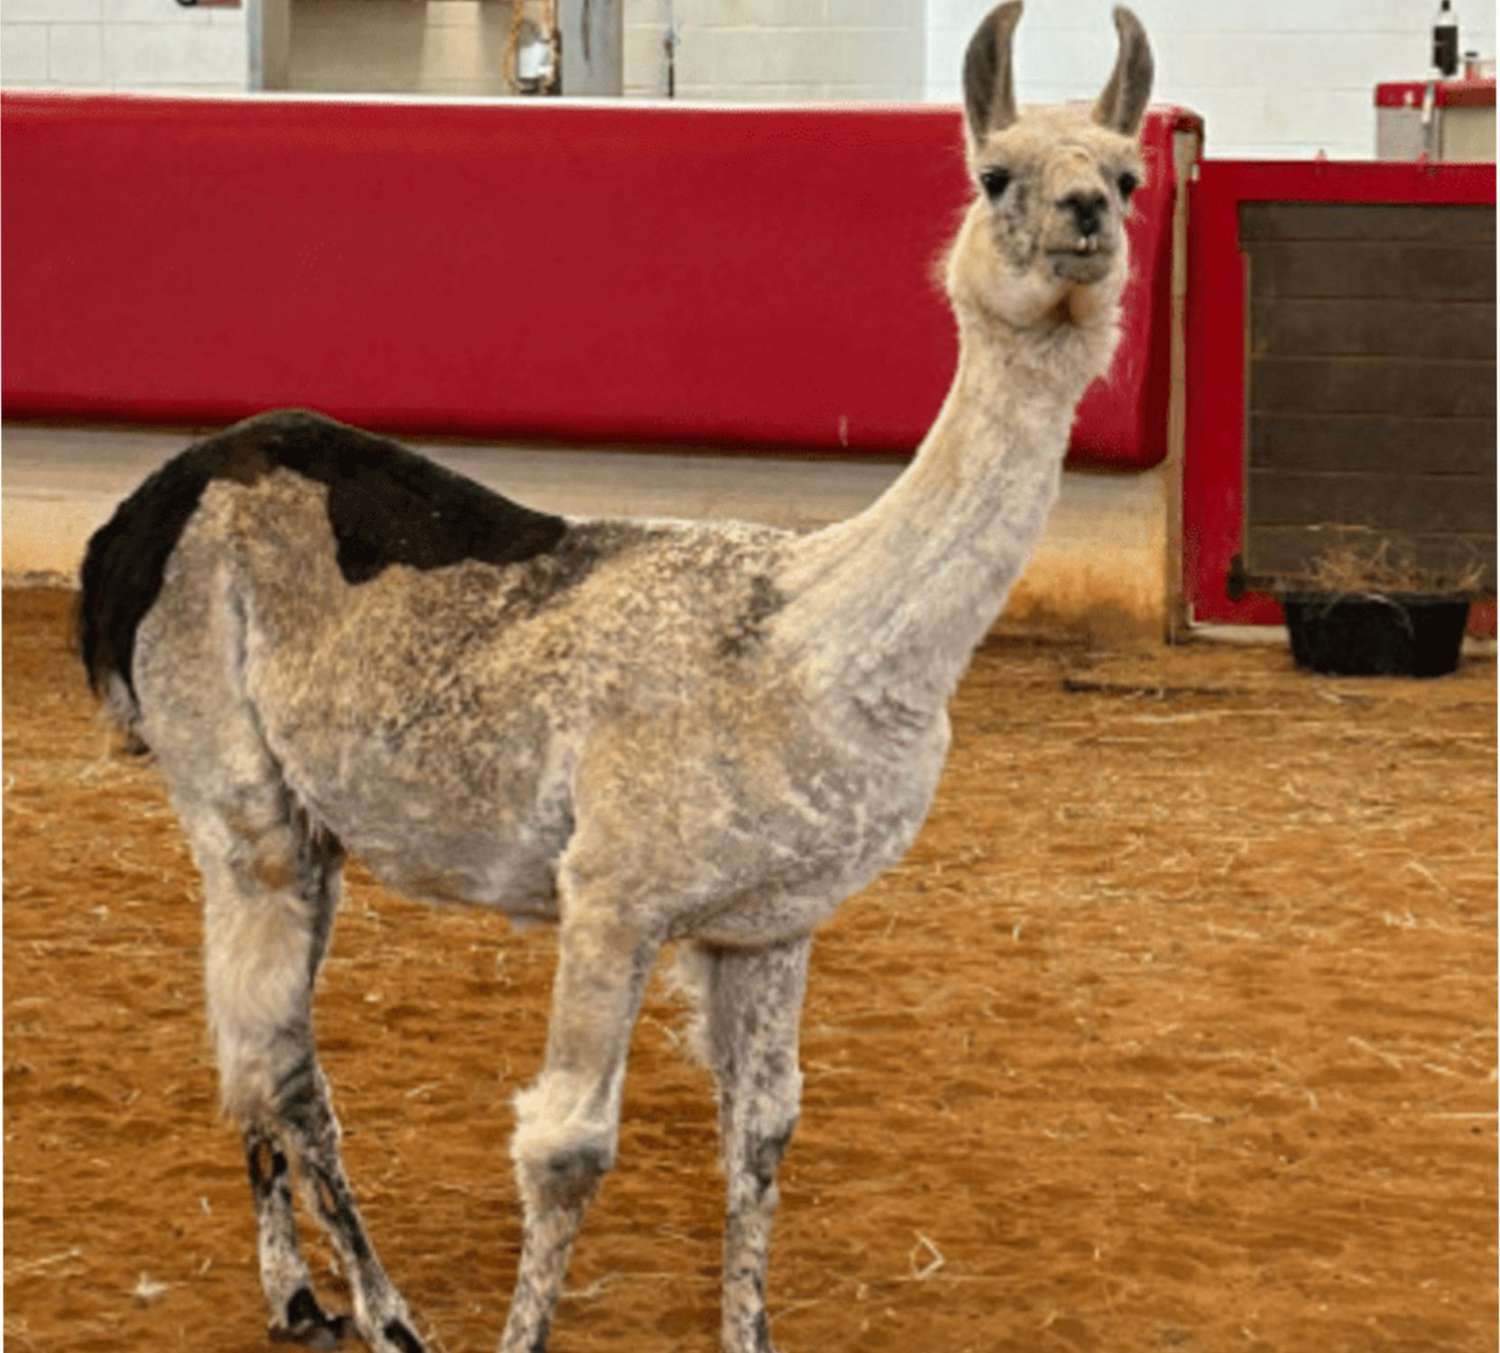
<point x="753" y="1005"/>
<point x="568" y="1121"/>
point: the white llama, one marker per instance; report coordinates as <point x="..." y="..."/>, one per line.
<point x="644" y="731"/>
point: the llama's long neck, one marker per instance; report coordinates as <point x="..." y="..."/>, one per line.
<point x="896" y="599"/>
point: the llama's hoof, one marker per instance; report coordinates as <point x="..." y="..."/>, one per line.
<point x="306" y="1324"/>
<point x="399" y="1337"/>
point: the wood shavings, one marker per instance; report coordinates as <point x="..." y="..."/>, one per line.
<point x="1090" y="1040"/>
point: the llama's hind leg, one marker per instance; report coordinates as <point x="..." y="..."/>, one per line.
<point x="296" y="1316"/>
<point x="271" y="884"/>
<point x="752" y="1007"/>
<point x="306" y="1118"/>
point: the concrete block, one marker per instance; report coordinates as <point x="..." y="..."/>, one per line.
<point x="462" y="14"/>
<point x="960" y="16"/>
<point x="903" y="14"/>
<point x="75" y="54"/>
<point x="888" y="57"/>
<point x="730" y="13"/>
<point x="157" y="12"/>
<point x="806" y="55"/>
<point x="23" y="53"/>
<point x="54" y="11"/>
<point x="453" y="52"/>
<point x="648" y="12"/>
<point x="645" y="61"/>
<point x="749" y="56"/>
<point x="181" y="56"/>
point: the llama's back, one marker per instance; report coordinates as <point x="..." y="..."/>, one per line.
<point x="384" y="505"/>
<point x="343" y="577"/>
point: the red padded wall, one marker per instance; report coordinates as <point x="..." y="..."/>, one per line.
<point x="513" y="269"/>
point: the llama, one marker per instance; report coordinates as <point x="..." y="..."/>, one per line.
<point x="708" y="734"/>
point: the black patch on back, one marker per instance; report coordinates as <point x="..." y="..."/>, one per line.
<point x="386" y="505"/>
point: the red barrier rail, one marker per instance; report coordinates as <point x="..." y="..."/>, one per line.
<point x="735" y="276"/>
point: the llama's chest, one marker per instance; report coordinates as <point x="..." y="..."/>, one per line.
<point x="771" y="837"/>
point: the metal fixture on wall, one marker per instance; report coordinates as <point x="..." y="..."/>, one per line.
<point x="531" y="51"/>
<point x="673" y="37"/>
<point x="573" y="47"/>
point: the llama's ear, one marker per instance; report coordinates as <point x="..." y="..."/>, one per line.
<point x="1123" y="103"/>
<point x="989" y="92"/>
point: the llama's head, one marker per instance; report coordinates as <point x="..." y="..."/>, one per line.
<point x="1044" y="240"/>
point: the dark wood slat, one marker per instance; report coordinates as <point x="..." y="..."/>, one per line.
<point x="1371" y="385"/>
<point x="1373" y="443"/>
<point x="1378" y="270"/>
<point x="1429" y="505"/>
<point x="1361" y="327"/>
<point x="1290" y="552"/>
<point x="1453" y="223"/>
<point x="1372" y="382"/>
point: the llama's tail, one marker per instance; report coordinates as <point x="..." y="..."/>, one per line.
<point x="108" y="674"/>
<point x="121" y="576"/>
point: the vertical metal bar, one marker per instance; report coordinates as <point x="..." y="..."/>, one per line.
<point x="1187" y="146"/>
<point x="270" y="23"/>
<point x="255" y="31"/>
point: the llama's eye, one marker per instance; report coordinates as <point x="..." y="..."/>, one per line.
<point x="1128" y="184"/>
<point x="994" y="182"/>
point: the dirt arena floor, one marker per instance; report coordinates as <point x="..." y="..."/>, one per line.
<point x="1176" y="1031"/>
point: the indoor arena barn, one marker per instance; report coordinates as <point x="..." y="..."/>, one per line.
<point x="761" y="677"/>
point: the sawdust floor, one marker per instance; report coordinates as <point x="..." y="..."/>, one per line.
<point x="1176" y="1031"/>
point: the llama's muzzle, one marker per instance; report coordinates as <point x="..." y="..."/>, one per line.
<point x="1087" y="262"/>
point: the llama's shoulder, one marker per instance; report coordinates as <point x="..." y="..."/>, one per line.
<point x="688" y="582"/>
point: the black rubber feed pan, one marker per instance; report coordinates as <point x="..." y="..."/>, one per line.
<point x="1397" y="635"/>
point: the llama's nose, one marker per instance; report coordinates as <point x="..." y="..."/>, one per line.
<point x="1087" y="209"/>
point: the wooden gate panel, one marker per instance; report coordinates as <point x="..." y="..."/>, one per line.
<point x="1341" y="371"/>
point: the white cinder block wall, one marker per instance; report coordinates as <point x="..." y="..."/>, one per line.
<point x="1283" y="78"/>
<point x="760" y="50"/>
<point x="1273" y="79"/>
<point x="122" y="44"/>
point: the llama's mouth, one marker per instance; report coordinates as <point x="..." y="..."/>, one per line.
<point x="1084" y="263"/>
